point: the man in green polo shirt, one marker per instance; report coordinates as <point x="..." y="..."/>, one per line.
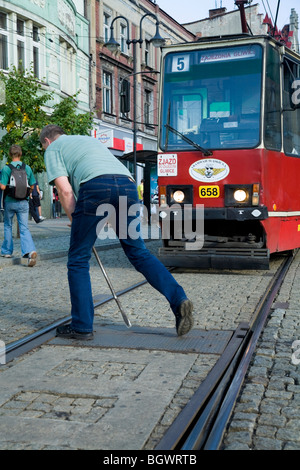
<point x="89" y="180"/>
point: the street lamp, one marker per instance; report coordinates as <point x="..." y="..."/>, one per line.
<point x="113" y="45"/>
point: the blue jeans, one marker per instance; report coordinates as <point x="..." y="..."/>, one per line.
<point x="20" y="208"/>
<point x="107" y="189"/>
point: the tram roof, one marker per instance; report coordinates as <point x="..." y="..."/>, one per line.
<point x="233" y="37"/>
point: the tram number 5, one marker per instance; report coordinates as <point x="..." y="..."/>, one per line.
<point x="181" y="63"/>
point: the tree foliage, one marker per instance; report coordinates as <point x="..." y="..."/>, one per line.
<point x="23" y="115"/>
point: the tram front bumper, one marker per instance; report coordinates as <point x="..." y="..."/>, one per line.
<point x="217" y="255"/>
<point x="237" y="213"/>
<point x="216" y="213"/>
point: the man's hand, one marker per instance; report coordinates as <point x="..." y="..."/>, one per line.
<point x="66" y="195"/>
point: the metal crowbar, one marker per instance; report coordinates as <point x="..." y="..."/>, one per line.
<point x="125" y="318"/>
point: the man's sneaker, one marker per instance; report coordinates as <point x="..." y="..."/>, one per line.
<point x="184" y="317"/>
<point x="32" y="259"/>
<point x="66" y="331"/>
<point x="6" y="256"/>
<point x="42" y="218"/>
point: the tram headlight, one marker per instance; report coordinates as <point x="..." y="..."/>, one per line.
<point x="240" y="195"/>
<point x="179" y="196"/>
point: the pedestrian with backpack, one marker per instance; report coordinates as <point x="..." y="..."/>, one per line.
<point x="17" y="181"/>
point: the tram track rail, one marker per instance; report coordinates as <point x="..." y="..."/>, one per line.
<point x="202" y="423"/>
<point x="37" y="338"/>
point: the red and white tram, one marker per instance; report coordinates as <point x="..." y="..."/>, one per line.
<point x="229" y="141"/>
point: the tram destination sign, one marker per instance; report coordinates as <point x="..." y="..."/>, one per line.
<point x="183" y="62"/>
<point x="167" y="164"/>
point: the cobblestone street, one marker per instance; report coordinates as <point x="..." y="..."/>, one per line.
<point x="86" y="386"/>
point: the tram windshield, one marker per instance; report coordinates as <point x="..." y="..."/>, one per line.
<point x="212" y="97"/>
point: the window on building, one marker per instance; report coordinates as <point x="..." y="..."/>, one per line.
<point x="36" y="51"/>
<point x="3" y="42"/>
<point x="20" y="27"/>
<point x="147" y="52"/>
<point x="106" y="26"/>
<point x="107" y="92"/>
<point x="123" y="38"/>
<point x="124" y="97"/>
<point x="67" y="68"/>
<point x="148" y="107"/>
<point x="21" y="43"/>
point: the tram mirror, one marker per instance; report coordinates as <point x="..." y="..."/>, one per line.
<point x="295" y="94"/>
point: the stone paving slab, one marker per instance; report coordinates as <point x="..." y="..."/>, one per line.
<point x="84" y="398"/>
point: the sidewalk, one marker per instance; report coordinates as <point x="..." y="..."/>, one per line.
<point x="52" y="237"/>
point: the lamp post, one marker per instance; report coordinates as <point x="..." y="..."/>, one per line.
<point x="113" y="45"/>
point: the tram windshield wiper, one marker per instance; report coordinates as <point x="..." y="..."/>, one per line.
<point x="205" y="152"/>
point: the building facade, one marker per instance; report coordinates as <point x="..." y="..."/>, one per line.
<point x="52" y="36"/>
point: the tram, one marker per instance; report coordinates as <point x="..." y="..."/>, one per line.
<point x="229" y="143"/>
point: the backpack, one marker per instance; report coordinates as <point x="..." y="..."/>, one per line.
<point x="18" y="186"/>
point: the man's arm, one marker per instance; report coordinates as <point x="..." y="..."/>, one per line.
<point x="3" y="179"/>
<point x="66" y="195"/>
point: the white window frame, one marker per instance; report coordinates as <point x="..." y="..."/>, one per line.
<point x="36" y="50"/>
<point x="4" y="33"/>
<point x="123" y="38"/>
<point x="67" y="61"/>
<point x="21" y="46"/>
<point x="147" y="53"/>
<point x="106" y="26"/>
<point x="107" y="92"/>
<point x="148" y="107"/>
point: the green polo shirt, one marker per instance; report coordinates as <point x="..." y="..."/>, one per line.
<point x="5" y="177"/>
<point x="80" y="158"/>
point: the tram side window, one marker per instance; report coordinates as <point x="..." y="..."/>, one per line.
<point x="272" y="101"/>
<point x="291" y="117"/>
